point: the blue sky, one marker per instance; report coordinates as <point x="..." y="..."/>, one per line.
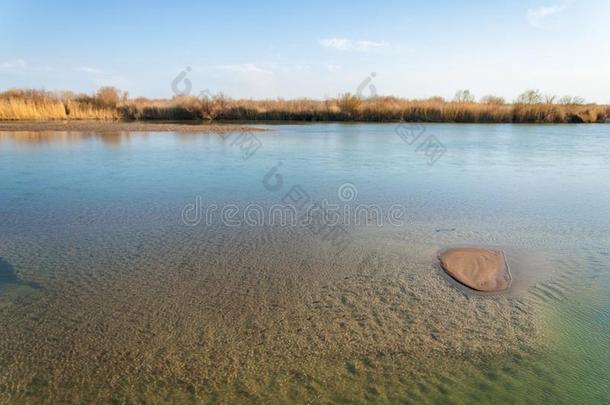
<point x="313" y="49"/>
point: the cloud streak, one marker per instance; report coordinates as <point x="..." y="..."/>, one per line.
<point x="344" y="44"/>
<point x="89" y="69"/>
<point x="13" y="64"/>
<point x="535" y="16"/>
<point x="250" y="68"/>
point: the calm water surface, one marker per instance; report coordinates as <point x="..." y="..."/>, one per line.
<point x="106" y="293"/>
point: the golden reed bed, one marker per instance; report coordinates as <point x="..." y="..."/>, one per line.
<point x="111" y="104"/>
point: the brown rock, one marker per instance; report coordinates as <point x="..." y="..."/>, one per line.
<point x="479" y="269"/>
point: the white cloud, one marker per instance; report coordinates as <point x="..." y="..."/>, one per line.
<point x="536" y="15"/>
<point x="300" y="68"/>
<point x="245" y="68"/>
<point x="13" y="64"/>
<point x="344" y="44"/>
<point x="111" y="80"/>
<point x="89" y="69"/>
<point x="100" y="77"/>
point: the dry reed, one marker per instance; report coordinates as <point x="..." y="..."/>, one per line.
<point x="111" y="104"/>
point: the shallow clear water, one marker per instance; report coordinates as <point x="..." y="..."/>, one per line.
<point x="114" y="285"/>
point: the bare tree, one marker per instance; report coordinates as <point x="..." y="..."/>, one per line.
<point x="490" y="99"/>
<point x="530" y="97"/>
<point x="463" y="96"/>
<point x="349" y="104"/>
<point x="436" y="99"/>
<point x="569" y="100"/>
<point x="109" y="96"/>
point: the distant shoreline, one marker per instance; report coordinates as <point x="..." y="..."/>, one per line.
<point x="112" y="105"/>
<point x="117" y="126"/>
<point x="193" y="126"/>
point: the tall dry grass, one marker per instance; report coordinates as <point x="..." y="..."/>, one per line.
<point x="43" y="105"/>
<point x="111" y="104"/>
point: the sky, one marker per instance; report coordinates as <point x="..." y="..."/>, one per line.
<point x="314" y="49"/>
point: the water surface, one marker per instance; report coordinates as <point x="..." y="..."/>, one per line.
<point x="107" y="294"/>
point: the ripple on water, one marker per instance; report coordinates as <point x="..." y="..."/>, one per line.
<point x="228" y="317"/>
<point x="137" y="307"/>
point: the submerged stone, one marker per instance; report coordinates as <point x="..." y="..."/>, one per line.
<point x="7" y="273"/>
<point x="480" y="269"/>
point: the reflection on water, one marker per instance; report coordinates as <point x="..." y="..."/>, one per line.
<point x="137" y="306"/>
<point x="54" y="137"/>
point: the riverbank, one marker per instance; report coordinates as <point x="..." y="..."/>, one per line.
<point x="117" y="126"/>
<point x="114" y="105"/>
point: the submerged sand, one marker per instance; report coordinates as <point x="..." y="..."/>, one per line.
<point x="226" y="316"/>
